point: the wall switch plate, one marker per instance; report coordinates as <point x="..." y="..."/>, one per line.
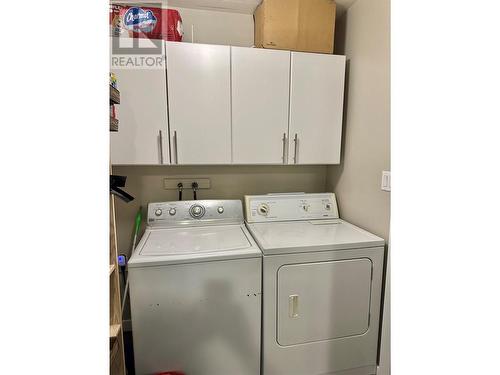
<point x="170" y="183"/>
<point x="386" y="181"/>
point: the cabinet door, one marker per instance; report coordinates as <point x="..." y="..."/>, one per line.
<point x="316" y="105"/>
<point x="260" y="97"/>
<point x="142" y="136"/>
<point x="199" y="103"/>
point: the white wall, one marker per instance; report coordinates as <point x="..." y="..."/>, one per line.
<point x="363" y="35"/>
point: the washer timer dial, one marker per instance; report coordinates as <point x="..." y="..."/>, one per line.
<point x="197" y="211"/>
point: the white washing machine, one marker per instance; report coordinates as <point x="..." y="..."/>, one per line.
<point x="322" y="281"/>
<point x="195" y="291"/>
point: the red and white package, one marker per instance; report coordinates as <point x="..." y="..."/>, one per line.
<point x="145" y="22"/>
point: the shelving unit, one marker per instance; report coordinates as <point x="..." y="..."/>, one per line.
<point x="117" y="357"/>
<point x="114" y="98"/>
<point x="114" y="331"/>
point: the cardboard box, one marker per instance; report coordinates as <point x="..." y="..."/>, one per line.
<point x="297" y="25"/>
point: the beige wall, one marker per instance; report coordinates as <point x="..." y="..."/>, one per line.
<point x="363" y="35"/>
<point x="213" y="27"/>
<point x="227" y="182"/>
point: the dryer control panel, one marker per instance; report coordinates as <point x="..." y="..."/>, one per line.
<point x="181" y="213"/>
<point x="288" y="207"/>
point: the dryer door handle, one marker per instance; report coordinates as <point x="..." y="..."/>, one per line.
<point x="293" y="305"/>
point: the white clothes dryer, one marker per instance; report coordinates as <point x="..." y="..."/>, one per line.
<point x="322" y="281"/>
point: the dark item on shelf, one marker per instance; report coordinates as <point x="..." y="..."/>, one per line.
<point x="115" y="183"/>
<point x="114" y="95"/>
<point x="113" y="124"/>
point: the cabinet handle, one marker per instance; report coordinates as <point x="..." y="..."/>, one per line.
<point x="293" y="306"/>
<point x="175" y="146"/>
<point x="161" y="147"/>
<point x="284" y="148"/>
<point x="296" y="142"/>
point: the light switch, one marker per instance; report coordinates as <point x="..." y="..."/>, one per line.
<point x="386" y="181"/>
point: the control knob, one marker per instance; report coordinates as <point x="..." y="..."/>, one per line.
<point x="220" y="209"/>
<point x="263" y="209"/>
<point x="172" y="211"/>
<point x="197" y="211"/>
<point x="158" y="212"/>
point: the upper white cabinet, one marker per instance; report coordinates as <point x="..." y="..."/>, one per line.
<point x="216" y="104"/>
<point x="142" y="136"/>
<point x="199" y="103"/>
<point x="260" y="96"/>
<point x="316" y="106"/>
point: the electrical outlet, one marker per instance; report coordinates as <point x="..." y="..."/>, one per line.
<point x="386" y="181"/>
<point x="170" y="183"/>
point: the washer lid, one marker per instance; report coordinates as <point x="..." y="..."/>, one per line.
<point x="191" y="244"/>
<point x="194" y="240"/>
<point x="305" y="236"/>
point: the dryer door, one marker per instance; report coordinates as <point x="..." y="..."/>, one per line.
<point x="323" y="300"/>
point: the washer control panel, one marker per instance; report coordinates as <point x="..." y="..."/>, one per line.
<point x="287" y="207"/>
<point x="177" y="213"/>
